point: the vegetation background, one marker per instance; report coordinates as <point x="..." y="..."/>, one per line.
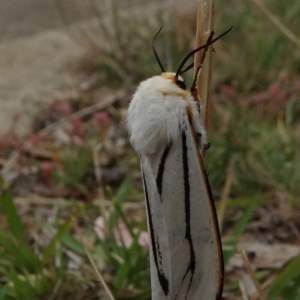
<point x="71" y="194"/>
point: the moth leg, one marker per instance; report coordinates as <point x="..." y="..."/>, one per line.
<point x="200" y="132"/>
<point x="205" y="144"/>
<point x="202" y="140"/>
<point x="197" y="124"/>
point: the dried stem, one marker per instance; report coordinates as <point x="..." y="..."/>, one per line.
<point x="249" y="269"/>
<point x="100" y="277"/>
<point x="205" y="24"/>
<point x="243" y="290"/>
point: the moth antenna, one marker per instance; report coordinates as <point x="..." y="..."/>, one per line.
<point x="198" y="49"/>
<point x="187" y="68"/>
<point x="199" y="69"/>
<point x="154" y="50"/>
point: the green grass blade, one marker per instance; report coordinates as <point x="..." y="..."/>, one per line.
<point x="285" y="283"/>
<point x="238" y="230"/>
<point x="73" y="244"/>
<point x="18" y="254"/>
<point x="21" y="288"/>
<point x="13" y="219"/>
<point x="122" y="277"/>
<point x="3" y="291"/>
<point x="61" y="232"/>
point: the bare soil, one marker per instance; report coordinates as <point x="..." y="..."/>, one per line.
<point x="37" y="59"/>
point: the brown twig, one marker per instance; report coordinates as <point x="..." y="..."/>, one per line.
<point x="243" y="290"/>
<point x="250" y="271"/>
<point x="100" y="277"/>
<point x="111" y="297"/>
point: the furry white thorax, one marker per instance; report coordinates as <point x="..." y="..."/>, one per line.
<point x="157" y="113"/>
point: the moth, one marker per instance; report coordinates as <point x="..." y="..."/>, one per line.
<point x="165" y="128"/>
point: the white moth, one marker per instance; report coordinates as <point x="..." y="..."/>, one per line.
<point x="164" y="124"/>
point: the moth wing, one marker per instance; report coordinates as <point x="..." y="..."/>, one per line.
<point x="182" y="222"/>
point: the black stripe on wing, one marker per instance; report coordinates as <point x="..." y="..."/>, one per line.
<point x="187" y="210"/>
<point x="161" y="169"/>
<point x="164" y="282"/>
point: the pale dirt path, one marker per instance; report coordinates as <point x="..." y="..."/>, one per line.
<point x="19" y="18"/>
<point x="37" y="59"/>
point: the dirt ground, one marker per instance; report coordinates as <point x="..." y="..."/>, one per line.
<point x="26" y="17"/>
<point x="37" y="57"/>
